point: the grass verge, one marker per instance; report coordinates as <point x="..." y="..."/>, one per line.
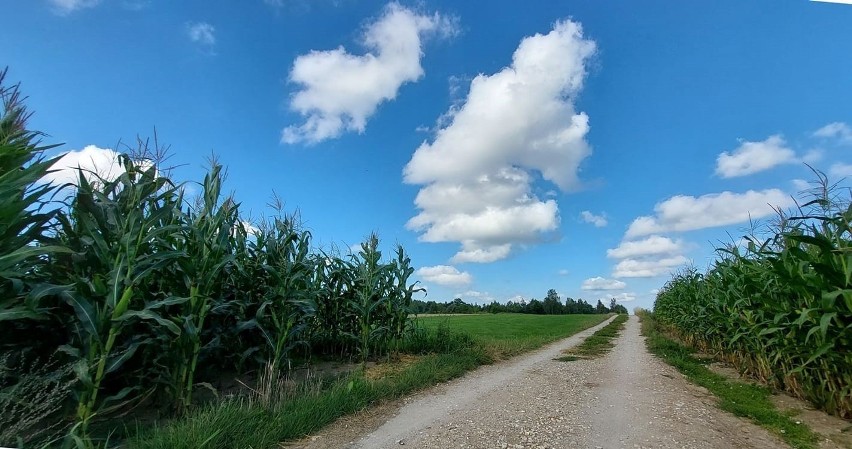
<point x="742" y="399"/>
<point x="248" y="423"/>
<point x="596" y="344"/>
<point x="449" y="348"/>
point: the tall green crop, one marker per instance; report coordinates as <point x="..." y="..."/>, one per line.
<point x="781" y="308"/>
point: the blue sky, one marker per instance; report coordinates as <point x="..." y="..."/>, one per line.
<point x="592" y="147"/>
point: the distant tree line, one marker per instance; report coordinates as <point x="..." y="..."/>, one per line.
<point x="551" y="305"/>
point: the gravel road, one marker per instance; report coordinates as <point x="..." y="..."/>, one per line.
<point x="626" y="399"/>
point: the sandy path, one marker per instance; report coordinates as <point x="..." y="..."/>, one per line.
<point x="625" y="399"/>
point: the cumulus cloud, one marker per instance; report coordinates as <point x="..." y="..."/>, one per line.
<point x="476" y="296"/>
<point x="339" y="91"/>
<point x="640" y="268"/>
<point x="65" y="7"/>
<point x="654" y="245"/>
<point x="599" y="283"/>
<point x="621" y="297"/>
<point x="563" y="272"/>
<point x="753" y="157"/>
<point x="837" y="130"/>
<point x="840" y="170"/>
<point x="598" y="220"/>
<point x="445" y="275"/>
<point x="687" y="213"/>
<point x="201" y="33"/>
<point x="91" y="159"/>
<point x="478" y="171"/>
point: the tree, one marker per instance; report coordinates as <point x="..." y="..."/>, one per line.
<point x="552" y="304"/>
<point x="601" y="308"/>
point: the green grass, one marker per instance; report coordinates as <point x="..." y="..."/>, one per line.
<point x="505" y="335"/>
<point x="243" y="423"/>
<point x="742" y="399"/>
<point x="466" y="342"/>
<point x="598" y="343"/>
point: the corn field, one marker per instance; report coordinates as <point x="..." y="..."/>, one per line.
<point x="779" y="309"/>
<point x="147" y="295"/>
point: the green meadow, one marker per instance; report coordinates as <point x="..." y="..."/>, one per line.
<point x="508" y="334"/>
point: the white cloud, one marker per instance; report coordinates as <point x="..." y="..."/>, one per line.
<point x="563" y="272"/>
<point x="837" y="130"/>
<point x="687" y="213"/>
<point x="445" y="275"/>
<point x="753" y="157"/>
<point x="654" y="245"/>
<point x="598" y="220"/>
<point x="91" y="159"/>
<point x="340" y="91"/>
<point x="477" y="172"/>
<point x="65" y="7"/>
<point x="621" y="297"/>
<point x="599" y="283"/>
<point x="639" y="268"/>
<point x="801" y="185"/>
<point x="476" y="296"/>
<point x="201" y="33"/>
<point x="840" y="170"/>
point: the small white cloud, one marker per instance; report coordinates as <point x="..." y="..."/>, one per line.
<point x="477" y="173"/>
<point x="813" y="156"/>
<point x="654" y="291"/>
<point x="563" y="272"/>
<point x="340" y="91"/>
<point x="201" y="33"/>
<point x="753" y="157"/>
<point x="65" y="7"/>
<point x="621" y="297"/>
<point x="599" y="283"/>
<point x="840" y="170"/>
<point x="654" y="245"/>
<point x="445" y="275"/>
<point x="637" y="268"/>
<point x="688" y="213"/>
<point x="598" y="220"/>
<point x="91" y="160"/>
<point x="837" y="130"/>
<point x="476" y="296"/>
<point x="801" y="185"/>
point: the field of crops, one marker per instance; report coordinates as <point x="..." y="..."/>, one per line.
<point x="122" y="291"/>
<point x="781" y="308"/>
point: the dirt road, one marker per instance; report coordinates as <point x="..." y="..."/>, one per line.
<point x="626" y="399"/>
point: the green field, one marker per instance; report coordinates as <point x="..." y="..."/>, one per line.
<point x="507" y="334"/>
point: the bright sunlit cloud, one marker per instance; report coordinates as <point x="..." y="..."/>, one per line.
<point x="339" y="91"/>
<point x="477" y="172"/>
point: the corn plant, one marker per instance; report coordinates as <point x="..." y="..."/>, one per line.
<point x="369" y="296"/>
<point x="24" y="243"/>
<point x="780" y="309"/>
<point x="289" y="301"/>
<point x="205" y="247"/>
<point x="115" y="228"/>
